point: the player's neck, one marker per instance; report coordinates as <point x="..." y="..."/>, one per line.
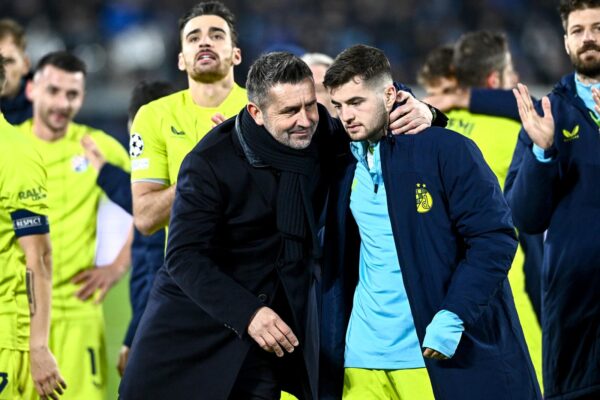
<point x="588" y="80"/>
<point x="211" y="94"/>
<point x="43" y="132"/>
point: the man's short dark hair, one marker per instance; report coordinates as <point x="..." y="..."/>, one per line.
<point x="438" y="64"/>
<point x="145" y="92"/>
<point x="477" y="55"/>
<point x="211" y="8"/>
<point x="11" y="29"/>
<point x="368" y="63"/>
<point x="566" y="7"/>
<point x="271" y="69"/>
<point x="2" y="72"/>
<point x="62" y="60"/>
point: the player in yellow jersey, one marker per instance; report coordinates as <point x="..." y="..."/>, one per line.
<point x="164" y="131"/>
<point x="482" y="60"/>
<point x="77" y="332"/>
<point x="25" y="271"/>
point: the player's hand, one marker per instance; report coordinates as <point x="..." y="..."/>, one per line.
<point x="539" y="129"/>
<point x="123" y="358"/>
<point x="217" y="119"/>
<point x="271" y="333"/>
<point x="92" y="152"/>
<point x="434" y="354"/>
<point x="99" y="278"/>
<point x="45" y="374"/>
<point x="411" y="117"/>
<point x="459" y="98"/>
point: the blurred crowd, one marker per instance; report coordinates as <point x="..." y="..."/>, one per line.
<point x="124" y="40"/>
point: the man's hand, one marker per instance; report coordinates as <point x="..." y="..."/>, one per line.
<point x="123" y="358"/>
<point x="217" y="119"/>
<point x="459" y="98"/>
<point x="271" y="333"/>
<point x="411" y="117"/>
<point x="539" y="129"/>
<point x="102" y="278"/>
<point x="45" y="374"/>
<point x="434" y="354"/>
<point x="93" y="153"/>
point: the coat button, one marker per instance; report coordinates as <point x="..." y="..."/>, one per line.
<point x="263" y="297"/>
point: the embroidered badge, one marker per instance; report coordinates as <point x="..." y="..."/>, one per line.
<point x="79" y="163"/>
<point x="424" y="199"/>
<point x="572" y="135"/>
<point x="136" y="145"/>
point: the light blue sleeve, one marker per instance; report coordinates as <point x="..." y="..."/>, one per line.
<point x="444" y="332"/>
<point x="538" y="152"/>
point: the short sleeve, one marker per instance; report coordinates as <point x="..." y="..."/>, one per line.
<point x="147" y="148"/>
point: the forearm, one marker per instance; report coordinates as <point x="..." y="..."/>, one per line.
<point x="532" y="195"/>
<point x="39" y="294"/>
<point x="151" y="210"/>
<point x="123" y="260"/>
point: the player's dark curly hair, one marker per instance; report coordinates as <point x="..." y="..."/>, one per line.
<point x="211" y="8"/>
<point x="566" y="7"/>
<point x="271" y="69"/>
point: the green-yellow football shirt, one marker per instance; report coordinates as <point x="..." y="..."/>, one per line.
<point x="496" y="137"/>
<point x="73" y="198"/>
<point x="23" y="210"/>
<point x="166" y="130"/>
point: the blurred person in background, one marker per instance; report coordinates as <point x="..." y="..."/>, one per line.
<point x="57" y="92"/>
<point x="318" y="64"/>
<point x="482" y="59"/>
<point x="147" y="252"/>
<point x="436" y="75"/>
<point x="14" y="104"/>
<point x="29" y="369"/>
<point x="554" y="189"/>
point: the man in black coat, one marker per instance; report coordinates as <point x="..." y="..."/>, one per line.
<point x="232" y="314"/>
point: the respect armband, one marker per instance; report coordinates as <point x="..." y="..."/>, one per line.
<point x="28" y="223"/>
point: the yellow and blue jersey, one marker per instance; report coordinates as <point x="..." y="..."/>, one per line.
<point x="166" y="130"/>
<point x="73" y="197"/>
<point x="23" y="210"/>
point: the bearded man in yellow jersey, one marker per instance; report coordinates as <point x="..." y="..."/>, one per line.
<point x="77" y="331"/>
<point x="482" y="60"/>
<point x="165" y="130"/>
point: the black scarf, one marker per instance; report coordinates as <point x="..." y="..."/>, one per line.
<point x="294" y="205"/>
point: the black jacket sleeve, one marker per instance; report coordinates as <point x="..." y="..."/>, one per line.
<point x="116" y="183"/>
<point x="190" y="260"/>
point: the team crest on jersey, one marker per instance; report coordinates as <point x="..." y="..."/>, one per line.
<point x="79" y="163"/>
<point x="571" y="135"/>
<point x="136" y="145"/>
<point x="424" y="199"/>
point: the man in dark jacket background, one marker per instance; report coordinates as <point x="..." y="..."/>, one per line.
<point x="14" y="104"/>
<point x="424" y="221"/>
<point x="554" y="178"/>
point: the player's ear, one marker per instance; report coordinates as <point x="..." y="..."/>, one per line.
<point x="493" y="80"/>
<point x="237" y="56"/>
<point x="180" y="62"/>
<point x="256" y="113"/>
<point x="389" y="97"/>
<point x="30" y="90"/>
